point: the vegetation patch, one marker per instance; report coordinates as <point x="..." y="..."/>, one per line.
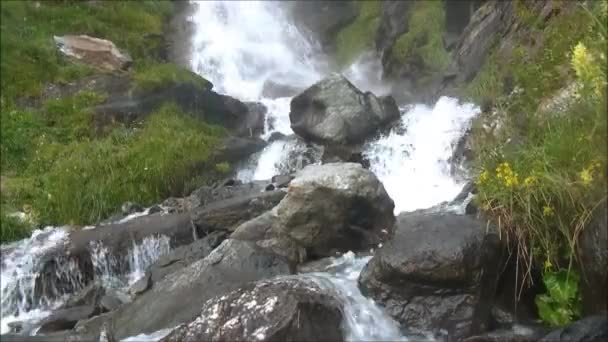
<point x="543" y="172"/>
<point x="28" y="57"/>
<point x="422" y="43"/>
<point x="358" y="36"/>
<point x="155" y="76"/>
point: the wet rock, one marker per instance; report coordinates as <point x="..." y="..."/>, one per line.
<point x="274" y="90"/>
<point x="517" y="333"/>
<point x="185" y="255"/>
<point x="62" y="336"/>
<point x="110" y="302"/>
<point x="323" y="19"/>
<point x="98" y="53"/>
<point x="439" y="272"/>
<point x="328" y="208"/>
<point x="272" y="310"/>
<point x="281" y="181"/>
<point x="269" y="187"/>
<point x="593" y="255"/>
<point x="142" y="285"/>
<point x="276" y="136"/>
<point x="66" y="319"/>
<point x="179" y="297"/>
<point x="254" y="120"/>
<point x="155" y="209"/>
<point x="589" y="329"/>
<point x="90" y="295"/>
<point x="227" y="214"/>
<point x="129" y="208"/>
<point x="235" y="149"/>
<point x="334" y="112"/>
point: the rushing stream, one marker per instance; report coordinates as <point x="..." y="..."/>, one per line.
<point x="238" y="46"/>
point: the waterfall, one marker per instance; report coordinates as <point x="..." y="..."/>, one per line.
<point x="240" y="46"/>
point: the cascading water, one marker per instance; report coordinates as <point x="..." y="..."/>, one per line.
<point x="23" y="262"/>
<point x="241" y="45"/>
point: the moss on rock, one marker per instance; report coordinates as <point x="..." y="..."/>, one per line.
<point x="358" y="36"/>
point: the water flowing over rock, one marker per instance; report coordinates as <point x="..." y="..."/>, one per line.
<point x="328" y="208"/>
<point x="179" y="297"/>
<point x="438" y="272"/>
<point x="334" y="111"/>
<point x="283" y="309"/>
<point x="589" y="329"/>
<point x="99" y="53"/>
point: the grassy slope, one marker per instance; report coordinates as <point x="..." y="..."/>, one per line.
<point x="53" y="167"/>
<point x="543" y="172"/>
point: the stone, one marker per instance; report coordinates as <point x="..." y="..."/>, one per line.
<point x="66" y="319"/>
<point x="334" y="112"/>
<point x="179" y="297"/>
<point x="593" y="257"/>
<point x="98" y="53"/>
<point x="270" y="310"/>
<point x="129" y="208"/>
<point x="281" y="181"/>
<point x="439" y="272"/>
<point x="142" y="285"/>
<point x="588" y="329"/>
<point x="328" y="208"/>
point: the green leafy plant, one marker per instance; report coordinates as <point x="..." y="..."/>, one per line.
<point x="561" y="304"/>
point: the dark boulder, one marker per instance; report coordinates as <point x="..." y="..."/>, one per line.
<point x="323" y="19"/>
<point x="129" y="208"/>
<point x="517" y="333"/>
<point x="227" y="214"/>
<point x="439" y="272"/>
<point x="281" y="181"/>
<point x="234" y="149"/>
<point x="179" y="297"/>
<point x="282" y="309"/>
<point x="328" y="208"/>
<point x="66" y="319"/>
<point x="589" y="329"/>
<point x="334" y="112"/>
<point x="274" y="90"/>
<point x="185" y="255"/>
<point x="593" y="256"/>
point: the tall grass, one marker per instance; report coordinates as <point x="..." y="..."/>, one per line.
<point x="543" y="174"/>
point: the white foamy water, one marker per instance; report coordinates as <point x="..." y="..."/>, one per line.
<point x="23" y="262"/>
<point x="413" y="160"/>
<point x="363" y="319"/>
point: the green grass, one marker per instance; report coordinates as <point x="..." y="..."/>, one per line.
<point x="54" y="166"/>
<point x="358" y="36"/>
<point x="423" y="42"/>
<point x="542" y="174"/>
<point x="85" y="180"/>
<point x="152" y="77"/>
<point x="28" y="57"/>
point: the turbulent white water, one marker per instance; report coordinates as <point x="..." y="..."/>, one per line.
<point x="239" y="46"/>
<point x="413" y="160"/>
<point x="23" y="261"/>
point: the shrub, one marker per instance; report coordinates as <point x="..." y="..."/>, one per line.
<point x="544" y="174"/>
<point x="423" y="41"/>
<point x="154" y="76"/>
<point x="358" y="36"/>
<point x="28" y="57"/>
<point x="95" y="177"/>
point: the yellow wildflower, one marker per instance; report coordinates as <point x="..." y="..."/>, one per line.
<point x="530" y="181"/>
<point x="586" y="176"/>
<point x="483" y="177"/>
<point x="547" y="211"/>
<point x="548" y="265"/>
<point x="581" y="62"/>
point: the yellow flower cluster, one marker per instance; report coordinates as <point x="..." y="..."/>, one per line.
<point x="548" y="211"/>
<point x="505" y="173"/>
<point x="530" y="181"/>
<point x="581" y="62"/>
<point x="586" y="175"/>
<point x="483" y="177"/>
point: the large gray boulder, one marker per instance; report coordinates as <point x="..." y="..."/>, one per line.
<point x="588" y="329"/>
<point x="281" y="309"/>
<point x="328" y="208"/>
<point x="179" y="297"/>
<point x="96" y="52"/>
<point x="439" y="272"/>
<point x="334" y="111"/>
